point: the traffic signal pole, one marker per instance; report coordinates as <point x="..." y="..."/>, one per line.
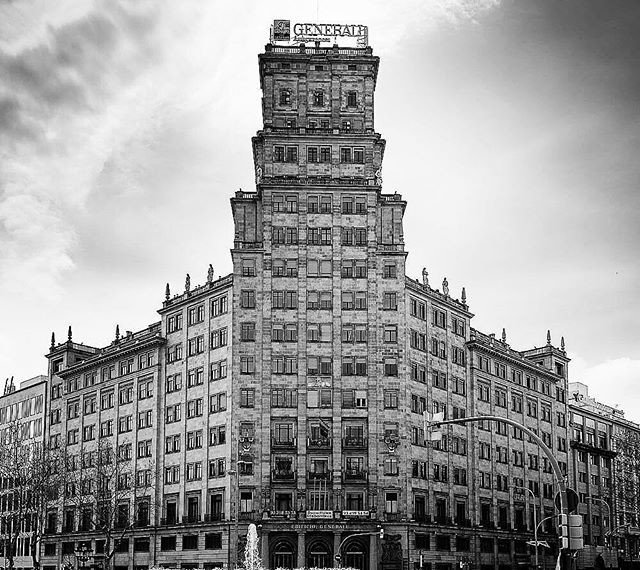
<point x="430" y="425"/>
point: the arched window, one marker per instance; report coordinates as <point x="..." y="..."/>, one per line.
<point x="355" y="554"/>
<point x="282" y="555"/>
<point x="319" y="555"/>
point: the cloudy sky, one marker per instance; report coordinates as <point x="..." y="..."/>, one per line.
<point x="513" y="131"/>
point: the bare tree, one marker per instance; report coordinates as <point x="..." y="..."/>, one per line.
<point x="30" y="480"/>
<point x="107" y="496"/>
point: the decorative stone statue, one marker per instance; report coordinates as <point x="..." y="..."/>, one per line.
<point x="425" y="277"/>
<point x="445" y="286"/>
<point x="187" y="283"/>
<point x="378" y="176"/>
<point x="210" y="274"/>
<point x="258" y="174"/>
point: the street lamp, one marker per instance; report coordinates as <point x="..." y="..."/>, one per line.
<point x="609" y="533"/>
<point x="535" y="520"/>
<point x="379" y="532"/>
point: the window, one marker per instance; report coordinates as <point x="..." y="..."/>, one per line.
<point x="194" y="408"/>
<point x="389" y="301"/>
<point x="285" y="97"/>
<point x="354" y="268"/>
<point x="219" y="305"/>
<point x="173" y="414"/>
<point x="172" y="444"/>
<point x="346" y="155"/>
<point x="145" y="419"/>
<point x="319" y="268"/>
<point x="217" y="435"/>
<point x="195" y="377"/>
<point x="217" y="402"/>
<point x="248" y="332"/>
<point x="247" y="398"/>
<point x="391" y="502"/>
<point x="391" y="399"/>
<point x="352" y="99"/>
<point x="247" y="365"/>
<point x="484" y="392"/>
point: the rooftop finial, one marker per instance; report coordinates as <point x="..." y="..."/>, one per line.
<point x="117" y="333"/>
<point x="425" y="277"/>
<point x="504" y="335"/>
<point x="53" y="340"/>
<point x="69" y="334"/>
<point x="445" y="286"/>
<point x="167" y="292"/>
<point x="210" y="274"/>
<point x="464" y="296"/>
<point x="12" y="386"/>
<point x="562" y="348"/>
<point x="548" y="338"/>
<point x="187" y="283"/>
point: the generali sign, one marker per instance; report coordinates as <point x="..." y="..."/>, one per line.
<point x="323" y="33"/>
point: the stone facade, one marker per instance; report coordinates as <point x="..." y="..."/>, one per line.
<point x="292" y="393"/>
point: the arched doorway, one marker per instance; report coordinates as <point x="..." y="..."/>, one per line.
<point x="282" y="553"/>
<point x="355" y="554"/>
<point x="319" y="552"/>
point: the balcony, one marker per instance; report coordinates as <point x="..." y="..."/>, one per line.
<point x="442" y="520"/>
<point x="213" y="517"/>
<point x="168" y="521"/>
<point x="354" y="443"/>
<point x="51" y="530"/>
<point x="355" y="476"/>
<point x="282" y="475"/>
<point x="191" y="519"/>
<point x="66" y="529"/>
<point x="392" y="517"/>
<point x="422" y="518"/>
<point x="247" y="516"/>
<point x="323" y="443"/>
<point x="315" y="476"/>
<point x="283" y="444"/>
<point x="462" y="522"/>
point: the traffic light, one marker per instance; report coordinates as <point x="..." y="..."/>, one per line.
<point x="576" y="541"/>
<point x="381" y="532"/>
<point x="564" y="531"/>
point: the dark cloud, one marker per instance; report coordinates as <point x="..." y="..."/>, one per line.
<point x="73" y="70"/>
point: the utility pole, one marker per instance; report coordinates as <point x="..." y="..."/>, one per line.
<point x="535" y="519"/>
<point x="432" y="423"/>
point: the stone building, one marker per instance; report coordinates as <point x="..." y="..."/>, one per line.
<point x="605" y="461"/>
<point x="22" y="415"/>
<point x="292" y="392"/>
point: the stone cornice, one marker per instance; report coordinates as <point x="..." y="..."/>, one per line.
<point x="437" y="296"/>
<point x="114" y="352"/>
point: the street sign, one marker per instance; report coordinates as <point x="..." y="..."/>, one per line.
<point x="538" y="543"/>
<point x="572" y="500"/>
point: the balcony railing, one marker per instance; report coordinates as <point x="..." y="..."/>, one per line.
<point x="355" y="475"/>
<point x="315" y="476"/>
<point x="323" y="443"/>
<point x="282" y="475"/>
<point x="168" y="521"/>
<point x="462" y="522"/>
<point x="283" y="444"/>
<point x="213" y="517"/>
<point x="190" y="519"/>
<point x="354" y="442"/>
<point x="67" y="529"/>
<point x="247" y="516"/>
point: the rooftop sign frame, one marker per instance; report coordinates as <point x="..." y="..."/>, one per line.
<point x="283" y="32"/>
